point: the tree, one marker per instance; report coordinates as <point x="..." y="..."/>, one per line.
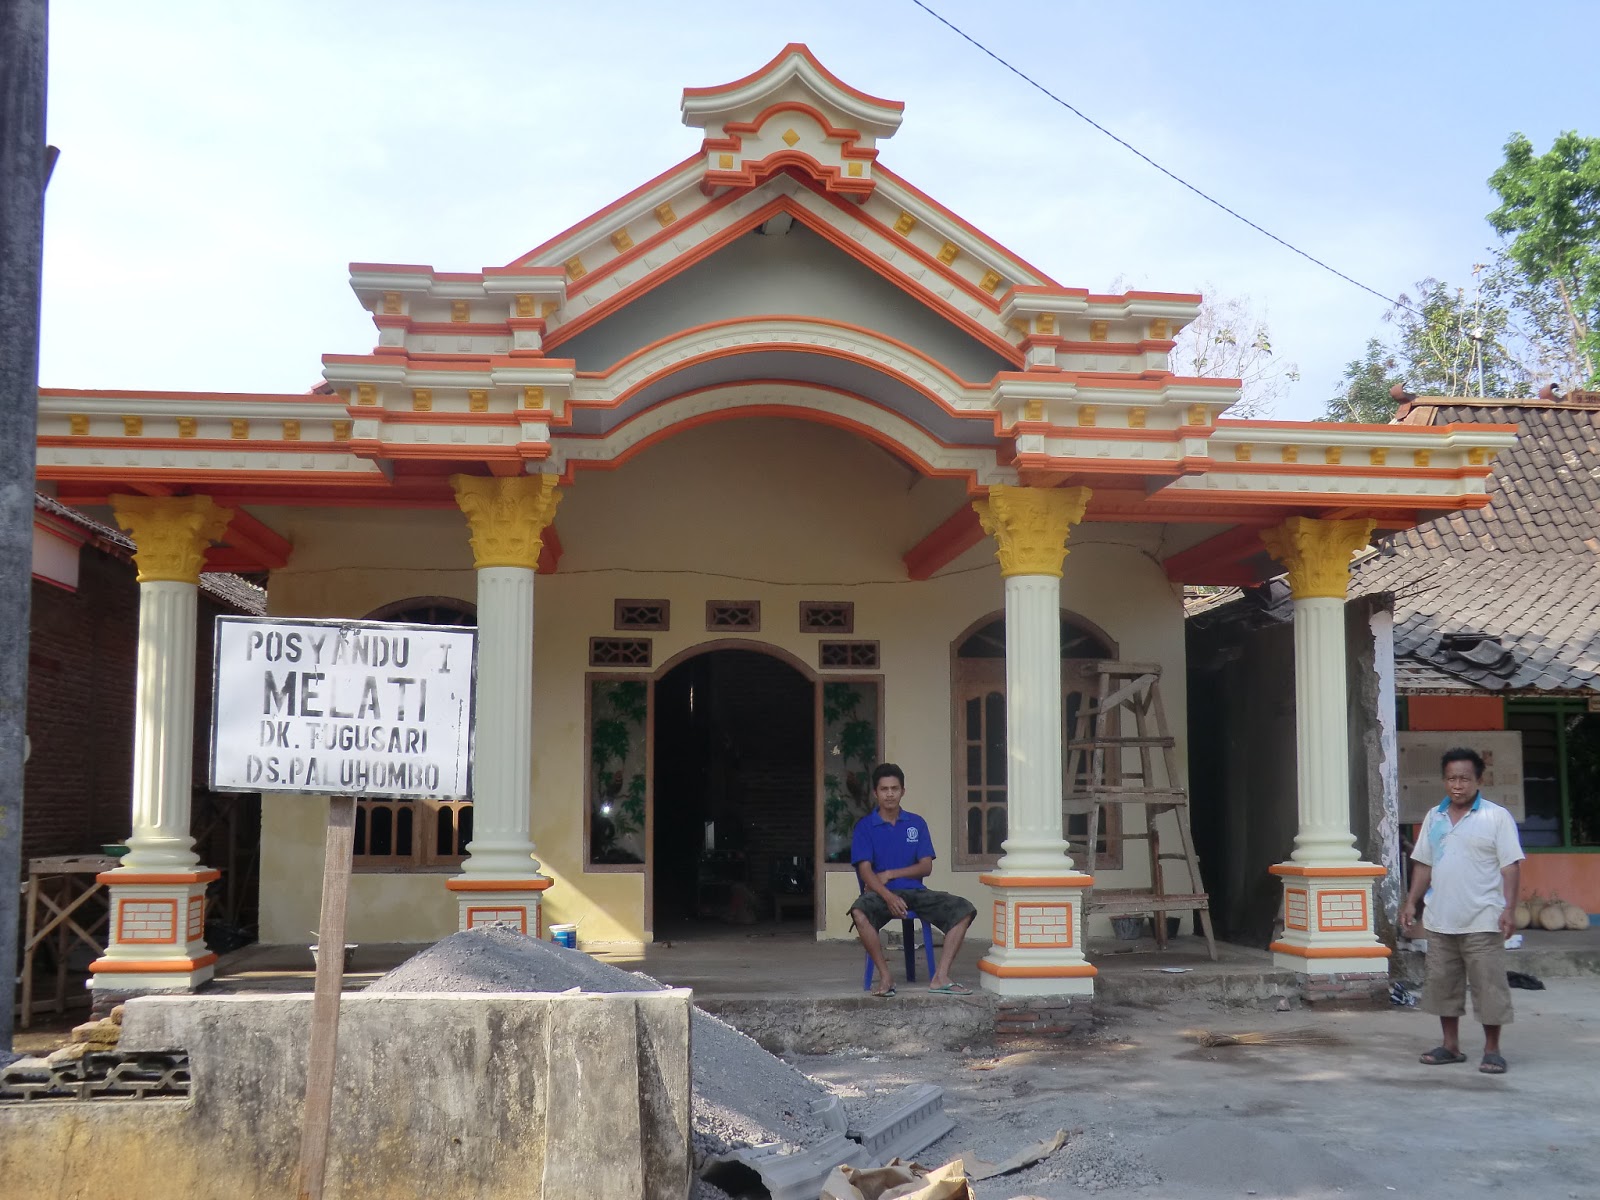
<point x="1451" y="342"/>
<point x="1228" y="340"/>
<point x="1550" y="211"/>
<point x="1367" y="380"/>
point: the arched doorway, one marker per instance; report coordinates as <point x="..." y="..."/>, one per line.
<point x="734" y="793"/>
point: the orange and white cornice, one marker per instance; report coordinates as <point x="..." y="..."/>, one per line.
<point x="793" y="108"/>
<point x="920" y="261"/>
<point x="499" y="310"/>
<point x="192" y="436"/>
<point x="1320" y="463"/>
<point x="812" y="335"/>
<point x="980" y="467"/>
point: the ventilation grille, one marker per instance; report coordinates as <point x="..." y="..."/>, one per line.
<point x="827" y="616"/>
<point x="642" y="614"/>
<point x="857" y="655"/>
<point x="743" y="615"/>
<point x="619" y="652"/>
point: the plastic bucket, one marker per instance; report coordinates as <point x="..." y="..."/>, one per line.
<point x="565" y="935"/>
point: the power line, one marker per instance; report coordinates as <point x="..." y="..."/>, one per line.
<point x="1082" y="116"/>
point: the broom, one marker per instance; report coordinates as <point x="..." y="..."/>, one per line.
<point x="1285" y="1037"/>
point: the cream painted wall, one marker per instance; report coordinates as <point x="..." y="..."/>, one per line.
<point x="754" y="509"/>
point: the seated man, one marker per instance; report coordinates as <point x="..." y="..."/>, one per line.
<point x="893" y="853"/>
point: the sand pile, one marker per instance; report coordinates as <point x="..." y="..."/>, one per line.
<point x="743" y="1096"/>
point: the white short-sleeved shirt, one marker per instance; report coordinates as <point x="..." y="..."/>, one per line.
<point x="1466" y="893"/>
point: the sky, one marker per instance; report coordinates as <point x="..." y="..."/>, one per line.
<point x="222" y="164"/>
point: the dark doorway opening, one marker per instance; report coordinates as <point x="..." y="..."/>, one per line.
<point x="734" y="795"/>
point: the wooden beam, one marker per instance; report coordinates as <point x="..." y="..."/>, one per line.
<point x="956" y="534"/>
<point x="549" y="551"/>
<point x="250" y="536"/>
<point x="1217" y="559"/>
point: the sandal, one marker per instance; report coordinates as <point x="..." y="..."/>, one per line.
<point x="883" y="995"/>
<point x="951" y="989"/>
<point x="1440" y="1055"/>
<point x="1492" y="1064"/>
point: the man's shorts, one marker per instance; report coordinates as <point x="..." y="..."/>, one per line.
<point x="1461" y="961"/>
<point x="939" y="909"/>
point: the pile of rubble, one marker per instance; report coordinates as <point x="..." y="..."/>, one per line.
<point x="90" y="1067"/>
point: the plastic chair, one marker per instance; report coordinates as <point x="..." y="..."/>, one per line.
<point x="908" y="935"/>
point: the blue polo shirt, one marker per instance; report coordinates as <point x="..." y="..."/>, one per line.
<point x="888" y="846"/>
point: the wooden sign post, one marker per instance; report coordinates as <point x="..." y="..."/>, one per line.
<point x="343" y="709"/>
<point x="325" y="1002"/>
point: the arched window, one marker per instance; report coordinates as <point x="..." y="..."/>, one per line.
<point x="979" y="740"/>
<point x="402" y="834"/>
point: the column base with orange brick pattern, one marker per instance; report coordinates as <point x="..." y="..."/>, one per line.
<point x="513" y="902"/>
<point x="156" y="939"/>
<point x="1327" y="920"/>
<point x="1038" y="936"/>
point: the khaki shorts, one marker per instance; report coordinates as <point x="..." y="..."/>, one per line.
<point x="1458" y="962"/>
<point x="939" y="909"/>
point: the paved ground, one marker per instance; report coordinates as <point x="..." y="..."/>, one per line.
<point x="1163" y="1117"/>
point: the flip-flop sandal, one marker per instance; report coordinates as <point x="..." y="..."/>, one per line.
<point x="1440" y="1055"/>
<point x="951" y="989"/>
<point x="1492" y="1064"/>
<point x="883" y="995"/>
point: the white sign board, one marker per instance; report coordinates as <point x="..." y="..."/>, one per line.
<point x="1422" y="783"/>
<point x="345" y="708"/>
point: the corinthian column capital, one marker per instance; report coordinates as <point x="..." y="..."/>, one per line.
<point x="1031" y="526"/>
<point x="1317" y="553"/>
<point x="171" y="533"/>
<point x="508" y="517"/>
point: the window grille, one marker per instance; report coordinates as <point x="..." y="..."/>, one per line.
<point x="619" y="652"/>
<point x="641" y="614"/>
<point x="743" y="615"/>
<point x="827" y="616"/>
<point x="856" y="655"/>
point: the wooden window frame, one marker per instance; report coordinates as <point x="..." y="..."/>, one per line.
<point x="967" y="677"/>
<point x="424" y="857"/>
<point x="591" y="678"/>
<point x="820" y="851"/>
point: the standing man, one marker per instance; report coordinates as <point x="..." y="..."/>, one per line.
<point x="1469" y="854"/>
<point x="893" y="853"/>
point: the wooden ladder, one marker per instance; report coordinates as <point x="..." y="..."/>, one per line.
<point x="1125" y="719"/>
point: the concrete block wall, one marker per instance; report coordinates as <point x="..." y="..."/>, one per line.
<point x="437" y="1096"/>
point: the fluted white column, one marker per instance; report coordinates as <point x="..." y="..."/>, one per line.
<point x="1329" y="934"/>
<point x="1036" y="920"/>
<point x="163" y="729"/>
<point x="502" y="771"/>
<point x="1034" y="840"/>
<point x="1321" y="734"/>
<point x="500" y="881"/>
<point x="156" y="934"/>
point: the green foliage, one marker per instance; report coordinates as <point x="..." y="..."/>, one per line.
<point x="1456" y="344"/>
<point x="1550" y="211"/>
<point x="839" y="702"/>
<point x="630" y="700"/>
<point x="1367" y="380"/>
<point x="858" y="743"/>
<point x="609" y="742"/>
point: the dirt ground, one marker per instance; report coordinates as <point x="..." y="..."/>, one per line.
<point x="1163" y="1117"/>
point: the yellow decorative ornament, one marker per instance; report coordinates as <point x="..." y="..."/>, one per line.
<point x="1031" y="526"/>
<point x="508" y="517"/>
<point x="1317" y="553"/>
<point x="170" y="533"/>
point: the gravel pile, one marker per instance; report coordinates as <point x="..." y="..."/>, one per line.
<point x="743" y="1096"/>
<point x="1094" y="1160"/>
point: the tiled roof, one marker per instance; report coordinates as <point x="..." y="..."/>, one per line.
<point x="1507" y="598"/>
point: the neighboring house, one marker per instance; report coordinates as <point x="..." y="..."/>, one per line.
<point x="792" y="411"/>
<point x="1497" y="622"/>
<point x="1493" y="615"/>
<point x="83" y="639"/>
